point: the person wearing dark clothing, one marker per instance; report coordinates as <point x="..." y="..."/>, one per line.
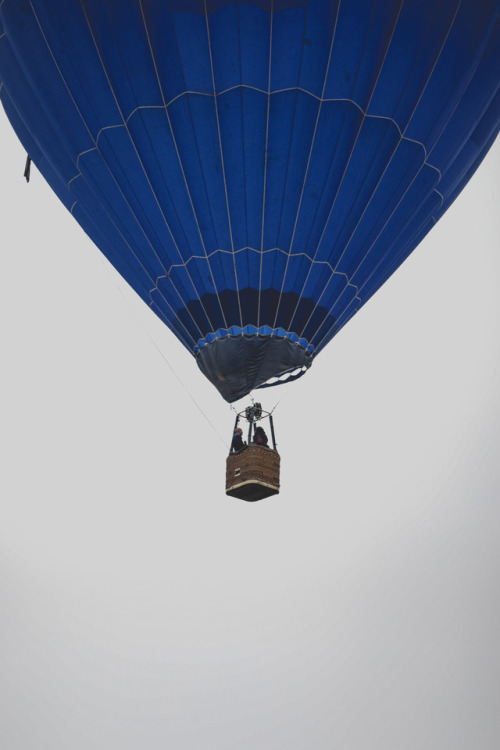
<point x="260" y="437"/>
<point x="237" y="444"/>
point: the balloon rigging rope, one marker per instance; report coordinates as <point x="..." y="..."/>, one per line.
<point x="226" y="445"/>
<point x="162" y="354"/>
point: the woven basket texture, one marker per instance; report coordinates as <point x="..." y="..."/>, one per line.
<point x="255" y="463"/>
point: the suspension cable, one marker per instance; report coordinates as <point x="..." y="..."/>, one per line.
<point x="162" y="354"/>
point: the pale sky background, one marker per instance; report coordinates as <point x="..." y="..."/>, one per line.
<point x="142" y="608"/>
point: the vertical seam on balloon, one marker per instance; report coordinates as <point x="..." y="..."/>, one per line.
<point x="96" y="149"/>
<point x="144" y="171"/>
<point x="207" y="25"/>
<point x="406" y="191"/>
<point x="88" y="131"/>
<point x="174" y="313"/>
<point x="321" y="102"/>
<point x="364" y="111"/>
<point x="339" y="187"/>
<point x="334" y="268"/>
<point x="413" y="68"/>
<point x="203" y="178"/>
<point x="271" y="22"/>
<point x="174" y="141"/>
<point x="148" y="181"/>
<point x="383" y="257"/>
<point x="243" y="154"/>
<point x="288" y="160"/>
<point x="457" y="8"/>
<point x="115" y="97"/>
<point x="147" y="274"/>
<point x="115" y="226"/>
<point x="402" y="138"/>
<point x="60" y="72"/>
<point x="327" y="68"/>
<point x="381" y="260"/>
<point x="458" y="102"/>
<point x="159" y="312"/>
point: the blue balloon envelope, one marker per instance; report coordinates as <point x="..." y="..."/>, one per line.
<point x="255" y="170"/>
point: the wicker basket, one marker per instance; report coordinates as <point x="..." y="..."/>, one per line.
<point x="253" y="474"/>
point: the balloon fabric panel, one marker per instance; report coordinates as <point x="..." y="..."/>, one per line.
<point x="254" y="170"/>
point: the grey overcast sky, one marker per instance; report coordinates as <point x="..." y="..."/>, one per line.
<point x="141" y="608"/>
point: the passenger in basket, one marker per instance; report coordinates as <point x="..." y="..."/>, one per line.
<point x="237" y="444"/>
<point x="260" y="437"/>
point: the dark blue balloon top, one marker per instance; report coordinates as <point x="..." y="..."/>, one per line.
<point x="255" y="170"/>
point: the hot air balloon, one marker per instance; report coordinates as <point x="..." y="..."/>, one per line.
<point x="255" y="170"/>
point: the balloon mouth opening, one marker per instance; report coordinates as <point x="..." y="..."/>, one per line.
<point x="250" y="330"/>
<point x="238" y="364"/>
